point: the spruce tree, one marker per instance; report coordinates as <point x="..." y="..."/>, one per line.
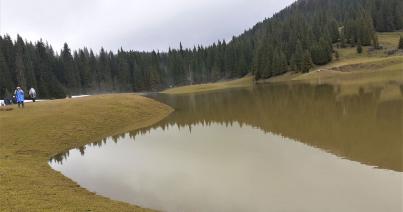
<point x="6" y="83"/>
<point x="400" y="43"/>
<point x="20" y="68"/>
<point x="29" y="60"/>
<point x="308" y="64"/>
<point x="321" y="52"/>
<point x="48" y="85"/>
<point x="123" y="72"/>
<point x="299" y="57"/>
<point x="84" y="69"/>
<point x="337" y="55"/>
<point x="93" y="83"/>
<point x="359" y="47"/>
<point x="71" y="75"/>
<point x="375" y="41"/>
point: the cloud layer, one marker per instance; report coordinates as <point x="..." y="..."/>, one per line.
<point x="132" y="24"/>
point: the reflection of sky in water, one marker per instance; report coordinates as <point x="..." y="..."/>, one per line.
<point x="268" y="148"/>
<point x="220" y="168"/>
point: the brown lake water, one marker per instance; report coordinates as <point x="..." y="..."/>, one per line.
<point x="283" y="147"/>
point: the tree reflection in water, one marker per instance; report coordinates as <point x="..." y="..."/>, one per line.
<point x="363" y="126"/>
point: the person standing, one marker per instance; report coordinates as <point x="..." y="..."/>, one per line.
<point x="19" y="96"/>
<point x="32" y="94"/>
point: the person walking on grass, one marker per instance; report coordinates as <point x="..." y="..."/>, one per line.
<point x="32" y="94"/>
<point x="19" y="97"/>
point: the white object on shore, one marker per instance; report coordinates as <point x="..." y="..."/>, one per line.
<point x="80" y="96"/>
<point x="2" y="103"/>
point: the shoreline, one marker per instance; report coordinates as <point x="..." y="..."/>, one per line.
<point x="344" y="72"/>
<point x="29" y="183"/>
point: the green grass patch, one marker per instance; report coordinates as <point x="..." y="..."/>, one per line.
<point x="243" y="82"/>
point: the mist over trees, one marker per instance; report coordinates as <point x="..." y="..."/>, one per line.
<point x="295" y="39"/>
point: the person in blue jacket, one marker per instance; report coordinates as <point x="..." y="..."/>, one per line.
<point x="19" y="96"/>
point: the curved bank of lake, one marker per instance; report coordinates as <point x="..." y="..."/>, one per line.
<point x="279" y="147"/>
<point x="29" y="137"/>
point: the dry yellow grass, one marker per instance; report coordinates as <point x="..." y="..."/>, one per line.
<point x="389" y="39"/>
<point x="243" y="82"/>
<point x="30" y="136"/>
<point x="356" y="69"/>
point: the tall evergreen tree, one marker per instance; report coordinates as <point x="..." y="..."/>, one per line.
<point x="84" y="69"/>
<point x="299" y="57"/>
<point x="308" y="64"/>
<point x="321" y="52"/>
<point x="71" y="75"/>
<point x="400" y="43"/>
<point x="6" y="83"/>
<point x="359" y="47"/>
<point x="20" y="67"/>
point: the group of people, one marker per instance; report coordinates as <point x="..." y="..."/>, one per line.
<point x="19" y="96"/>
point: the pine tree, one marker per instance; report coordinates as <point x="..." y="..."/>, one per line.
<point x="84" y="68"/>
<point x="342" y="39"/>
<point x="48" y="85"/>
<point x="104" y="77"/>
<point x="123" y="72"/>
<point x="29" y="58"/>
<point x="400" y="43"/>
<point x="333" y="29"/>
<point x="155" y="72"/>
<point x="359" y="47"/>
<point x="20" y="69"/>
<point x="69" y="69"/>
<point x="93" y="82"/>
<point x="321" y="52"/>
<point x="19" y="63"/>
<point x="337" y="55"/>
<point x="6" y="82"/>
<point x="299" y="57"/>
<point x="375" y="41"/>
<point x="307" y="65"/>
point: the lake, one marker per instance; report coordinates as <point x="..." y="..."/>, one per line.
<point x="277" y="147"/>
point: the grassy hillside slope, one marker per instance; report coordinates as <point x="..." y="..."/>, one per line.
<point x="352" y="69"/>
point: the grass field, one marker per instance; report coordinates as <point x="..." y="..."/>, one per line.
<point x="30" y="136"/>
<point x="243" y="82"/>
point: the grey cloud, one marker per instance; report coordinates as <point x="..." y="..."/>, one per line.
<point x="136" y="24"/>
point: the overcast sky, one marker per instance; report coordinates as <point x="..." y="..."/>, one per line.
<point x="132" y="24"/>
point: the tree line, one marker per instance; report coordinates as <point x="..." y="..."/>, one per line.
<point x="295" y="39"/>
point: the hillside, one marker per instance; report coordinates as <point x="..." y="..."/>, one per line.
<point x="297" y="38"/>
<point x="350" y="72"/>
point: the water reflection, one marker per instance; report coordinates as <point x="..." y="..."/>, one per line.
<point x="363" y="126"/>
<point x="284" y="147"/>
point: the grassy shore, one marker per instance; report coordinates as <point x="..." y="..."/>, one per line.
<point x="243" y="82"/>
<point x="350" y="70"/>
<point x="30" y="136"/>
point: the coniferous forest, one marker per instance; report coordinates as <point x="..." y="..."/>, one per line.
<point x="295" y="39"/>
